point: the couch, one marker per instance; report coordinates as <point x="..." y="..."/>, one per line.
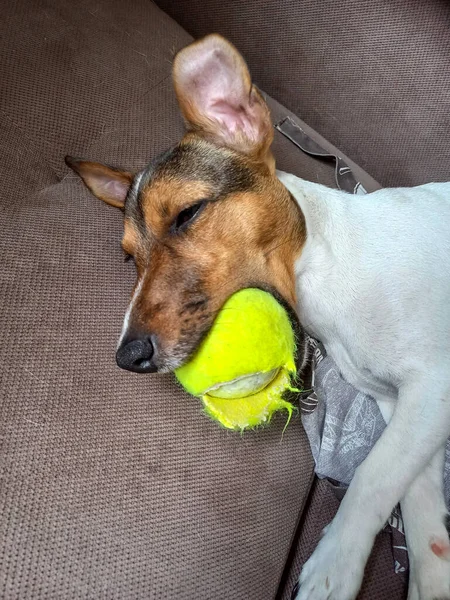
<point x="115" y="485"/>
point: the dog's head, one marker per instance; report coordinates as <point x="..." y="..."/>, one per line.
<point x="206" y="218"/>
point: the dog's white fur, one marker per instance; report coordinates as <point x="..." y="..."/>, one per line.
<point x="126" y="320"/>
<point x="373" y="284"/>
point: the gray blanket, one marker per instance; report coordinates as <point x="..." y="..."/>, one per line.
<point x="342" y="425"/>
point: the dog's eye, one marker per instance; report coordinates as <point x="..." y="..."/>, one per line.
<point x="186" y="216"/>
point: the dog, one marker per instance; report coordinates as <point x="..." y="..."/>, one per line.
<point x="367" y="275"/>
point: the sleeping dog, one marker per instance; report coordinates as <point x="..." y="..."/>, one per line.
<point x="367" y="275"/>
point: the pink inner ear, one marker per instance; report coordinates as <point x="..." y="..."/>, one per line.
<point x="235" y="119"/>
<point x="214" y="83"/>
<point x="113" y="188"/>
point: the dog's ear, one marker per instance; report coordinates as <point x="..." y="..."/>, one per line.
<point x="108" y="184"/>
<point x="217" y="98"/>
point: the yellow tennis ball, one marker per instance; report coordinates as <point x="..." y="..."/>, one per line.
<point x="245" y="363"/>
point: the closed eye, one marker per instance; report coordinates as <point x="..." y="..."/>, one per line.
<point x="187" y="216"/>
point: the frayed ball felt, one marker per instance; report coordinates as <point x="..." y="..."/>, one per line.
<point x="246" y="362"/>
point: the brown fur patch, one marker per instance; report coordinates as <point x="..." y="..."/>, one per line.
<point x="165" y="198"/>
<point x="130" y="239"/>
<point x="248" y="233"/>
<point x="246" y="238"/>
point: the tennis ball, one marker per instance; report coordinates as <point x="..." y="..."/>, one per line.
<point x="245" y="363"/>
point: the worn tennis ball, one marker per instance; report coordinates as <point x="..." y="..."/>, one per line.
<point x="245" y="363"/>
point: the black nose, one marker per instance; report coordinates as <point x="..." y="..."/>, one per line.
<point x="137" y="355"/>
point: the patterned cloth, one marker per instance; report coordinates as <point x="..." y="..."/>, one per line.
<point x="342" y="425"/>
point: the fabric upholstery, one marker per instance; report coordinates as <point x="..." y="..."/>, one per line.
<point x="372" y="77"/>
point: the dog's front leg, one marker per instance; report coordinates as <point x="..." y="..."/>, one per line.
<point x="425" y="519"/>
<point x="424" y="515"/>
<point x="418" y="429"/>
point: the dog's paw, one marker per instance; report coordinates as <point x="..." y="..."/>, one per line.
<point x="429" y="577"/>
<point x="334" y="571"/>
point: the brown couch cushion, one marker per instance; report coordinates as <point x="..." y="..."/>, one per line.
<point x="69" y="69"/>
<point x="370" y="76"/>
<point x="114" y="485"/>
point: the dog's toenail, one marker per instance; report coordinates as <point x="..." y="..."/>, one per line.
<point x="327" y="583"/>
<point x="294" y="591"/>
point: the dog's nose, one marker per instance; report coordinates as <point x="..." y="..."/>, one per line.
<point x="137" y="355"/>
